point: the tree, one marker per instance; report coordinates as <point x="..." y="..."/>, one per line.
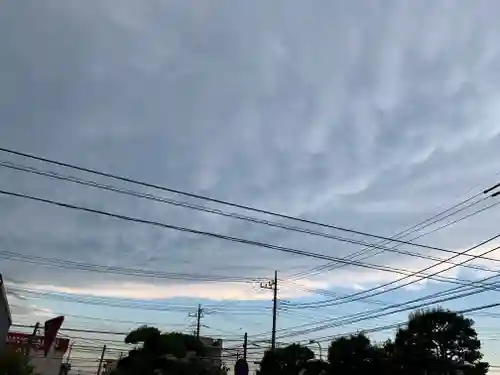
<point x="224" y="370"/>
<point x="285" y="361"/>
<point x="437" y="342"/>
<point x="164" y="353"/>
<point x="355" y="355"/>
<point x="314" y="367"/>
<point x="14" y="363"/>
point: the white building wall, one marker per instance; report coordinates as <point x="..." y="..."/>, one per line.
<point x="5" y="317"/>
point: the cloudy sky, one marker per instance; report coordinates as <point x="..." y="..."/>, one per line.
<point x="369" y="115"/>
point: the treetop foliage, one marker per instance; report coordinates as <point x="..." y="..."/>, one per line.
<point x="432" y="342"/>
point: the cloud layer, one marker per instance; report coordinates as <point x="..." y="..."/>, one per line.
<point x="371" y="116"/>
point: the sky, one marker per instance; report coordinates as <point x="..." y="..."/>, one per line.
<point x="367" y="115"/>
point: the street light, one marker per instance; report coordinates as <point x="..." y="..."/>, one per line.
<point x="320" y="348"/>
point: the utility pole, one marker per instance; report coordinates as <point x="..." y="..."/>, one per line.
<point x="273" y="285"/>
<point x="275" y="309"/>
<point x="31" y="338"/>
<point x="245" y="346"/>
<point x="198" y="315"/>
<point x="198" y="321"/>
<point x="101" y="360"/>
<point x="69" y="352"/>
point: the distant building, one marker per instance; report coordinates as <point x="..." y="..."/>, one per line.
<point x="109" y="366"/>
<point x="5" y="317"/>
<point x="212" y="355"/>
<point x="213" y="350"/>
<point x="43" y="365"/>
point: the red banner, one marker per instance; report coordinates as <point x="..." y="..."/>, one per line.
<point x="19" y="340"/>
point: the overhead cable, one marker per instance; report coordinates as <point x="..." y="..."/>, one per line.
<point x="237" y="239"/>
<point x="214" y="200"/>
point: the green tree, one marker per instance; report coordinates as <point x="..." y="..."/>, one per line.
<point x="289" y="360"/>
<point x="437" y="342"/>
<point x="355" y="355"/>
<point x="14" y="363"/>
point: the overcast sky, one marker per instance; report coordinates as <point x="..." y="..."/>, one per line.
<point x="371" y="115"/>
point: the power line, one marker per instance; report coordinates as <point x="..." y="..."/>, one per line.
<point x="103" y="332"/>
<point x="322" y="292"/>
<point x="294" y="311"/>
<point x="96" y="341"/>
<point x="371" y="251"/>
<point x="83" y="266"/>
<point x="117" y="321"/>
<point x="360" y="295"/>
<point x="397" y="325"/>
<point x="365" y="317"/>
<point x="449" y="295"/>
<point x="53" y="262"/>
<point x="132" y="304"/>
<point x="156" y="198"/>
<point x="439" y="294"/>
<point x="213" y="200"/>
<point x="225" y="237"/>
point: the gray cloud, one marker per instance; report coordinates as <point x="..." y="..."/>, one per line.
<point x="368" y="116"/>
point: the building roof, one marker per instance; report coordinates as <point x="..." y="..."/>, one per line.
<point x="5" y="301"/>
